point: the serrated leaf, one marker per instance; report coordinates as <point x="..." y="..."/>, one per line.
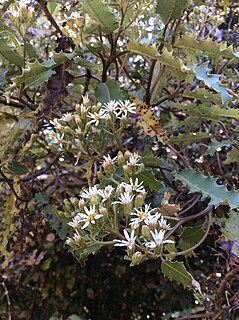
<point x="231" y="226"/>
<point x="189" y="237"/>
<point x="214" y="145"/>
<point x="203" y="95"/>
<point x="208" y="187"/>
<point x="107" y="91"/>
<point x="204" y="111"/>
<point x="232" y="156"/>
<point x="149" y="180"/>
<point x="207" y="46"/>
<point x="171" y="9"/>
<point x="12" y="56"/>
<point x="166" y="58"/>
<point x="211" y="80"/>
<point x="176" y="271"/>
<point x="17" y="168"/>
<point x="42" y="197"/>
<point x="191" y="137"/>
<point x="101" y="13"/>
<point x="37" y="73"/>
<point x="152" y="161"/>
<point x="58" y="223"/>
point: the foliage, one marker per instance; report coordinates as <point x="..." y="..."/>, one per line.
<point x="119" y="127"/>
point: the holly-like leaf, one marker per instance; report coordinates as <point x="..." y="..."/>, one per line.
<point x="203" y="95"/>
<point x="58" y="223"/>
<point x="171" y="9"/>
<point x="232" y="156"/>
<point x="110" y="90"/>
<point x="148" y="177"/>
<point x="208" y="46"/>
<point x="189" y="237"/>
<point x="208" y="187"/>
<point x="211" y="80"/>
<point x="37" y="73"/>
<point x="214" y="145"/>
<point x="101" y="13"/>
<point x="176" y="271"/>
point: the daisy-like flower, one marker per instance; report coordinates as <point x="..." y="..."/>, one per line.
<point x="127" y="107"/>
<point x="108" y="161"/>
<point x="163" y="224"/>
<point x="133" y="160"/>
<point x="85" y="100"/>
<point x="96" y="117"/>
<point x="151" y="220"/>
<point x="129" y="242"/>
<point x="56" y="124"/>
<point x="75" y="239"/>
<point x="89" y="216"/>
<point x="141" y="214"/>
<point x="133" y="186"/>
<point x="157" y="239"/>
<point x="106" y="193"/>
<point x="125" y="198"/>
<point x="134" y="224"/>
<point x="66" y="117"/>
<point x="111" y="107"/>
<point x="74" y="223"/>
<point x="91" y="194"/>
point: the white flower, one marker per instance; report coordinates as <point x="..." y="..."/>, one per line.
<point x="96" y="117"/>
<point x="85" y="100"/>
<point x="56" y="124"/>
<point x="66" y="117"/>
<point x="133" y="186"/>
<point x="108" y="161"/>
<point x="106" y="193"/>
<point x="141" y="214"/>
<point x="74" y="223"/>
<point x="91" y="193"/>
<point x="134" y="224"/>
<point x="151" y="220"/>
<point x="111" y="107"/>
<point x="163" y="224"/>
<point x="125" y="199"/>
<point x="133" y="160"/>
<point x="157" y="239"/>
<point x="126" y="106"/>
<point x="89" y="217"/>
<point x="129" y="242"/>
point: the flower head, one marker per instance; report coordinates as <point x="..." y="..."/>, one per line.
<point x="133" y="160"/>
<point x="141" y="214"/>
<point x="67" y="117"/>
<point x="127" y="107"/>
<point x="129" y="242"/>
<point x="126" y="198"/>
<point x="157" y="239"/>
<point x="111" y="108"/>
<point x="106" y="193"/>
<point x="133" y="186"/>
<point x="96" y="117"/>
<point x="151" y="220"/>
<point x="91" y="194"/>
<point x="89" y="216"/>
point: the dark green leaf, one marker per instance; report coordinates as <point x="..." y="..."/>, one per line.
<point x="171" y="9"/>
<point x="148" y="177"/>
<point x="18" y="168"/>
<point x="107" y="91"/>
<point x="189" y="237"/>
<point x="42" y="197"/>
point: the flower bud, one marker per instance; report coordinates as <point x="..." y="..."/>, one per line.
<point x="120" y="158"/>
<point x="103" y="211"/>
<point x="67" y="205"/>
<point x="81" y="204"/>
<point x="139" y="201"/>
<point x="137" y="258"/>
<point x="146" y="232"/>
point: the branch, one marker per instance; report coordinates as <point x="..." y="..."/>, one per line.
<point x="43" y="5"/>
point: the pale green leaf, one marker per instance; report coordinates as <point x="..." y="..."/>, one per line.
<point x="110" y="90"/>
<point x="191" y="137"/>
<point x="214" y="145"/>
<point x="203" y="95"/>
<point x="176" y="271"/>
<point x="232" y="156"/>
<point x="171" y="9"/>
<point x="101" y="13"/>
<point x="9" y="54"/>
<point x="189" y="237"/>
<point x="208" y="187"/>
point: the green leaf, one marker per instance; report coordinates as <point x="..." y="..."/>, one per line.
<point x="12" y="56"/>
<point x="148" y="177"/>
<point x="214" y="145"/>
<point x="204" y="111"/>
<point x="42" y="197"/>
<point x="151" y="161"/>
<point x="211" y="80"/>
<point x="207" y="46"/>
<point x="176" y="271"/>
<point x="230" y="228"/>
<point x="189" y="237"/>
<point x="18" y="168"/>
<point x="58" y="223"/>
<point x="101" y="13"/>
<point x="110" y="90"/>
<point x="203" y="95"/>
<point x="171" y="9"/>
<point x="208" y="187"/>
<point x="232" y="156"/>
<point x="37" y="73"/>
